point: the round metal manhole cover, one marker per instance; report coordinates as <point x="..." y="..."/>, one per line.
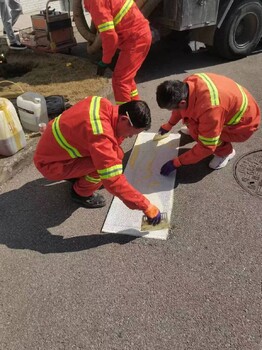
<point x="248" y="172"/>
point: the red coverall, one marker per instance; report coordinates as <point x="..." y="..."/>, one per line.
<point x="81" y="143"/>
<point x="219" y="112"/>
<point x="122" y="26"/>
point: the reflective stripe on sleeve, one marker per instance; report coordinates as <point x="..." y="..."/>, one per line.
<point x="106" y="26"/>
<point x="112" y="171"/>
<point x="214" y="97"/>
<point x="72" y="151"/>
<point x="236" y="118"/>
<point x="94" y="180"/>
<point x="120" y="102"/>
<point x="95" y="116"/>
<point x="103" y="27"/>
<point x="134" y="93"/>
<point x="210" y="141"/>
<point x="123" y="11"/>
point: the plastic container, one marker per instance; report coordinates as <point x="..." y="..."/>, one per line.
<point x="12" y="137"/>
<point x="42" y="128"/>
<point x="32" y="110"/>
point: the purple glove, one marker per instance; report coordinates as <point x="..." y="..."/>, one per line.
<point x="154" y="221"/>
<point x="167" y="168"/>
<point x="162" y="131"/>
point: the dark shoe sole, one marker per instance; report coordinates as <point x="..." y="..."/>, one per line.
<point x="17" y="48"/>
<point x="92" y="202"/>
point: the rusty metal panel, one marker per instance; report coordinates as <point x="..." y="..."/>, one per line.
<point x="187" y="14"/>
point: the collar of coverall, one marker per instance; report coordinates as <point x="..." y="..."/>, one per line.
<point x="115" y="116"/>
<point x="191" y="96"/>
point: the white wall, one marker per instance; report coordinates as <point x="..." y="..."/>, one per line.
<point x="33" y="6"/>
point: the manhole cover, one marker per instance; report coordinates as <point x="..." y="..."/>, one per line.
<point x="248" y="172"/>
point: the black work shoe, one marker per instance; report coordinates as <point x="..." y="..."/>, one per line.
<point x="18" y="46"/>
<point x="94" y="201"/>
<point x="14" y="30"/>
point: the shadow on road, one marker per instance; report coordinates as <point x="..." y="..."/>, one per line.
<point x="194" y="172"/>
<point x="169" y="56"/>
<point x="28" y="212"/>
<point x="165" y="59"/>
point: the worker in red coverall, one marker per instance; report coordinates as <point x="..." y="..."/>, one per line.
<point x="216" y="112"/>
<point x="83" y="145"/>
<point x="121" y="26"/>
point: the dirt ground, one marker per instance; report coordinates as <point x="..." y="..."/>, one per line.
<point x="49" y="74"/>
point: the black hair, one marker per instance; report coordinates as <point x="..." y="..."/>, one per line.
<point x="138" y="112"/>
<point x="170" y="93"/>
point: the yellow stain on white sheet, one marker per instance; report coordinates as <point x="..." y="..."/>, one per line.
<point x="134" y="156"/>
<point x="153" y="184"/>
<point x="148" y="174"/>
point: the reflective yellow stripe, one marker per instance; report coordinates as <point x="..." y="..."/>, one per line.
<point x="236" y="118"/>
<point x="103" y="27"/>
<point x="134" y="93"/>
<point x="120" y="103"/>
<point x="94" y="180"/>
<point x="214" y="97"/>
<point x="72" y="151"/>
<point x="106" y="26"/>
<point x="95" y="116"/>
<point x="123" y="11"/>
<point x="112" y="171"/>
<point x="210" y="141"/>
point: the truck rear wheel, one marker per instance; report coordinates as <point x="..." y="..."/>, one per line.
<point x="241" y="30"/>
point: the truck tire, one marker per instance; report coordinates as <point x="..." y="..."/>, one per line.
<point x="241" y="30"/>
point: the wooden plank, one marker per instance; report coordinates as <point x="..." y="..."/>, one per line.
<point x="143" y="172"/>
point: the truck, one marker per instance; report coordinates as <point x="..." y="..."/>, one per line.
<point x="231" y="28"/>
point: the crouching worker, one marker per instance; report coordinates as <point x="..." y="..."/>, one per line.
<point x="215" y="110"/>
<point x="83" y="144"/>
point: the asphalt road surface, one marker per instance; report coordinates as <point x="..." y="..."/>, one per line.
<point x="64" y="285"/>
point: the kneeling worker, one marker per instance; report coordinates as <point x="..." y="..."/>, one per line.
<point x="216" y="111"/>
<point x="83" y="144"/>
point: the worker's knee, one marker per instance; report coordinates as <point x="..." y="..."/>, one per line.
<point x="237" y="135"/>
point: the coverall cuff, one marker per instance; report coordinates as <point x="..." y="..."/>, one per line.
<point x="103" y="64"/>
<point x="106" y="63"/>
<point x="177" y="162"/>
<point x="167" y="126"/>
<point x="151" y="211"/>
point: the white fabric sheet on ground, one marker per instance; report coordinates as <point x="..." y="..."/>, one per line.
<point x="143" y="172"/>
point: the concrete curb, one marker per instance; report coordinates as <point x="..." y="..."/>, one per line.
<point x="10" y="166"/>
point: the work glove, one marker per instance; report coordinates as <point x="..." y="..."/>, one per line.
<point x="153" y="215"/>
<point x="101" y="68"/>
<point x="113" y="63"/>
<point x="167" y="168"/>
<point x="162" y="131"/>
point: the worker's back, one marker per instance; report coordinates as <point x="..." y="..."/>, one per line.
<point x="217" y="91"/>
<point x="123" y="16"/>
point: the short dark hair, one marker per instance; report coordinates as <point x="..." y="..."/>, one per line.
<point x="138" y="112"/>
<point x="170" y="93"/>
